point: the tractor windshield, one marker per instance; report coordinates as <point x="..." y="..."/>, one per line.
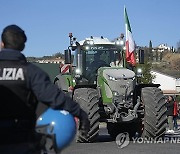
<point x="101" y="56"/>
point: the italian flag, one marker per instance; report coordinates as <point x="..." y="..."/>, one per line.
<point x="130" y="45"/>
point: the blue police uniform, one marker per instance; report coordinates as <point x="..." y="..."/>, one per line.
<point x="39" y="82"/>
<point x="19" y="104"/>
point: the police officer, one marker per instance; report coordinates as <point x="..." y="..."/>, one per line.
<point x="22" y="86"/>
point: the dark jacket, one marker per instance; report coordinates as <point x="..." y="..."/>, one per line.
<point x="39" y="82"/>
<point x="170" y="108"/>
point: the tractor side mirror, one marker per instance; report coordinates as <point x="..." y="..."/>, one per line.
<point x="67" y="54"/>
<point x="141" y="56"/>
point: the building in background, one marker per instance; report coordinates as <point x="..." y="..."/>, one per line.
<point x="163" y="47"/>
<point x="168" y="84"/>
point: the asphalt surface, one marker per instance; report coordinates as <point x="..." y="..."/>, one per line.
<point x="105" y="145"/>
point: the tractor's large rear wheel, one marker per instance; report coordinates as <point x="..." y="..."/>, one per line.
<point x="88" y="100"/>
<point x="155" y="119"/>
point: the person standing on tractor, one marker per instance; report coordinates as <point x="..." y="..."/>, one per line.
<point x="22" y="86"/>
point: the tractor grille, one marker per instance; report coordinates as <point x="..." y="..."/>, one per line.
<point x="122" y="86"/>
<point x="121" y="81"/>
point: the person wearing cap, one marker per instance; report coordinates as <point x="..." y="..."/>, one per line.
<point x="22" y="86"/>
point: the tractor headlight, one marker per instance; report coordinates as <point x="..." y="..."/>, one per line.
<point x="87" y="47"/>
<point x="78" y="71"/>
<point x="139" y="72"/>
<point x="124" y="48"/>
<point x="90" y="42"/>
<point x="115" y="93"/>
<point x="119" y="42"/>
<point x="112" y="78"/>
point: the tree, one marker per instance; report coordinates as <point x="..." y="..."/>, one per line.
<point x="161" y="56"/>
<point x="150" y="51"/>
<point x="146" y="53"/>
<point x="146" y="69"/>
<point x="157" y="56"/>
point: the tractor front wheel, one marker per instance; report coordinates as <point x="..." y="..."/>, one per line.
<point x="88" y="100"/>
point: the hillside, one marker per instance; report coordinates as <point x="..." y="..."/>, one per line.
<point x="170" y="64"/>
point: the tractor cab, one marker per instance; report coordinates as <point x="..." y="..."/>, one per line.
<point x="93" y="53"/>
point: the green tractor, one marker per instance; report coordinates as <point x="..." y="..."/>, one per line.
<point x="96" y="76"/>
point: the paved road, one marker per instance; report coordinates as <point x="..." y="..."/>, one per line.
<point x="105" y="145"/>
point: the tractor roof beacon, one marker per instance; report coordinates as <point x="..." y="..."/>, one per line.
<point x="109" y="90"/>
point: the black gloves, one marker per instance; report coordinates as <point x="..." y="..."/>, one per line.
<point x="84" y="124"/>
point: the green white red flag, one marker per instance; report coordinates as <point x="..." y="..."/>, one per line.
<point x="130" y="45"/>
